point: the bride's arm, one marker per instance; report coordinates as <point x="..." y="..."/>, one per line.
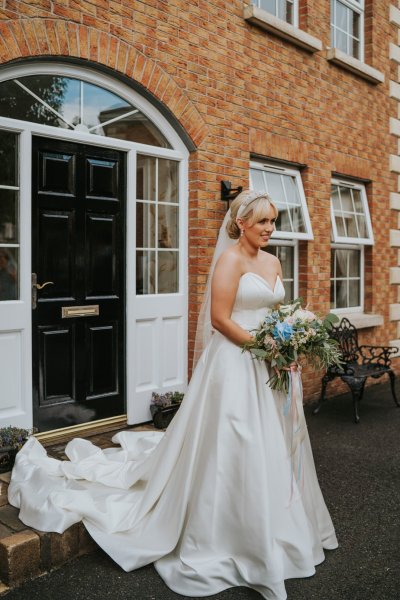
<point x="224" y="286"/>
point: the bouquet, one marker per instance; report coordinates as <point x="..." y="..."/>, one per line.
<point x="290" y="333"/>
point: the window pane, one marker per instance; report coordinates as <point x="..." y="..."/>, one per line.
<point x="146" y="178"/>
<point x="145" y="225"/>
<point x="8" y="216"/>
<point x="345" y="196"/>
<point x="100" y="105"/>
<point x="335" y="198"/>
<point x="283" y="221"/>
<point x="257" y="180"/>
<point x="341" y="294"/>
<point x="8" y="158"/>
<point x="341" y="16"/>
<point x="168" y="272"/>
<point x="275" y="187"/>
<point x="286" y="256"/>
<point x="167" y="180"/>
<point x="16" y="103"/>
<point x="145" y="272"/>
<point x="168" y="226"/>
<point x="341" y="263"/>
<point x="332" y="295"/>
<point x="362" y="226"/>
<point x="355" y="48"/>
<point x="354" y="293"/>
<point x="351" y="226"/>
<point x="341" y="231"/>
<point x="8" y="273"/>
<point x="354" y="263"/>
<point x="354" y="27"/>
<point x="269" y="5"/>
<point x="358" y="205"/>
<point x="342" y="41"/>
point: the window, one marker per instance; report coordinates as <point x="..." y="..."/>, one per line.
<point x="347" y="27"/>
<point x="9" y="216"/>
<point x="78" y="106"/>
<point x="286" y="189"/>
<point x="283" y="9"/>
<point x="157" y="226"/>
<point x="351" y="231"/>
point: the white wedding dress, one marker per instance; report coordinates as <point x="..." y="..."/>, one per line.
<point x="210" y="501"/>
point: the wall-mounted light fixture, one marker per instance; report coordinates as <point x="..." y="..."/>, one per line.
<point x="228" y="193"/>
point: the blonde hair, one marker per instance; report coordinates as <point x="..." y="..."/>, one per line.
<point x="251" y="207"/>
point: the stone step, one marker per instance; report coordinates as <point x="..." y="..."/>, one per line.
<point x="26" y="553"/>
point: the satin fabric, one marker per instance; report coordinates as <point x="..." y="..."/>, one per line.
<point x="211" y="500"/>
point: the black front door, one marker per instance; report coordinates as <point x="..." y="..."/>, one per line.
<point x="78" y="277"/>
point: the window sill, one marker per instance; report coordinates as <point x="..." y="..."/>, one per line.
<point x="361" y="320"/>
<point x="354" y="65"/>
<point x="262" y="18"/>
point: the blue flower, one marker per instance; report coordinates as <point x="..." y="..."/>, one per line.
<point x="282" y="331"/>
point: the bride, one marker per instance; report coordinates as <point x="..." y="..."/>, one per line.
<point x="213" y="502"/>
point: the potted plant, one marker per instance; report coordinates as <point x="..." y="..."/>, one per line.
<point x="163" y="407"/>
<point x="11" y="440"/>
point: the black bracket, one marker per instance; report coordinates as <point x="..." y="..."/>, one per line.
<point x="229" y="193"/>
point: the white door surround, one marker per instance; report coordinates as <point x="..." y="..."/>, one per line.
<point x="156" y="324"/>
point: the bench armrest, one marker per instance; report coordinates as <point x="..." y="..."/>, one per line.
<point x="377" y="354"/>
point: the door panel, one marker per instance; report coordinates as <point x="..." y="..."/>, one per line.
<point x="78" y="255"/>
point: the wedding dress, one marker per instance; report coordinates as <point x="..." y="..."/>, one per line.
<point x="210" y="501"/>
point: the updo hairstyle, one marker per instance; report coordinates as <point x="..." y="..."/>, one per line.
<point x="251" y="207"/>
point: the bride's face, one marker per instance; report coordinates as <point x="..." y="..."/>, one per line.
<point x="260" y="232"/>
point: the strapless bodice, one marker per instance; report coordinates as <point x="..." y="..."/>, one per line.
<point x="253" y="298"/>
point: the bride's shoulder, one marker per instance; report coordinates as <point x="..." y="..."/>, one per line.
<point x="230" y="262"/>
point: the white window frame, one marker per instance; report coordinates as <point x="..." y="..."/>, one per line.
<point x="295" y="11"/>
<point x="358" y="7"/>
<point x="369" y="240"/>
<point x="295" y="245"/>
<point x="352" y="309"/>
<point x="283" y="170"/>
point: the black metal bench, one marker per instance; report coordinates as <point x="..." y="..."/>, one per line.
<point x="359" y="363"/>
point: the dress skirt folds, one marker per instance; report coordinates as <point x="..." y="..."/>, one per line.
<point x="210" y="501"/>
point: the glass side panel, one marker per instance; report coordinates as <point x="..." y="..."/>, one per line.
<point x="167" y="180"/>
<point x="8" y="158"/>
<point x="168" y="272"/>
<point x="146" y="178"/>
<point x="8" y="273"/>
<point x="8" y="216"/>
<point x="145" y="225"/>
<point x="168" y="226"/>
<point x="145" y="272"/>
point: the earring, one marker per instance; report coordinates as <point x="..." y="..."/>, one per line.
<point x="241" y="232"/>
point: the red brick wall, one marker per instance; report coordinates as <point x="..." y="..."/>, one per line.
<point x="237" y="90"/>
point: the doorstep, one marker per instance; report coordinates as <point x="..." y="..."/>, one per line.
<point x="26" y="553"/>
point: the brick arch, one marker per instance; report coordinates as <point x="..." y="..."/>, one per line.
<point x="43" y="37"/>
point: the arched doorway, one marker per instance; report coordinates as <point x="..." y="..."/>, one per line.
<point x="93" y="292"/>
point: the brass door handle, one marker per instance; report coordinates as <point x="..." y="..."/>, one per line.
<point x="37" y="286"/>
<point x="41" y="286"/>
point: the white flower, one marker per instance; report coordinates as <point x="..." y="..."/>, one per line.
<point x="304" y="315"/>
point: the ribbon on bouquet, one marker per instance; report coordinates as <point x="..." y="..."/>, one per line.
<point x="295" y="428"/>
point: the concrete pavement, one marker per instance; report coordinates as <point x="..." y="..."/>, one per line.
<point x="359" y="472"/>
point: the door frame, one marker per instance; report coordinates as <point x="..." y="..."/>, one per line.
<point x="18" y="312"/>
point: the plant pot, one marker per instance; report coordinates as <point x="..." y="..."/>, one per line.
<point x="163" y="415"/>
<point x="7" y="458"/>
